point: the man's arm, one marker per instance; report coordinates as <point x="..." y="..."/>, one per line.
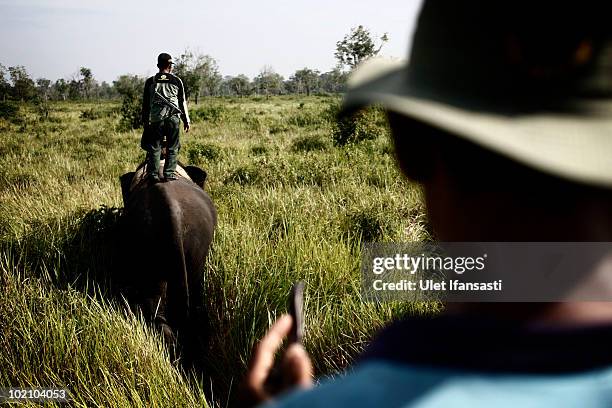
<point x="182" y="100"/>
<point x="146" y="102"/>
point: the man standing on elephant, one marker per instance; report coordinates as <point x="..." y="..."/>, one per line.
<point x="163" y="107"/>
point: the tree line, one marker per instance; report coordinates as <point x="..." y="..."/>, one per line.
<point x="200" y="75"/>
<point x="198" y="72"/>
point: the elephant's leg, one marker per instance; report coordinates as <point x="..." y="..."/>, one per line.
<point x="155" y="309"/>
<point x="195" y="333"/>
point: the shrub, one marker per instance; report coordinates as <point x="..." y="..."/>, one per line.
<point x="9" y="111"/>
<point x="366" y="124"/>
<point x="131" y="112"/>
<point x="206" y="151"/>
<point x="245" y="175"/>
<point x="210" y="113"/>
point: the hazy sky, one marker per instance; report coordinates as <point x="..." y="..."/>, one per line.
<point x="52" y="39"/>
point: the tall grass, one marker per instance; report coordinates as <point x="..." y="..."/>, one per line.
<point x="101" y="355"/>
<point x="291" y="203"/>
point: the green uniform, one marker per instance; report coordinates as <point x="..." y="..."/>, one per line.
<point x="163" y="107"/>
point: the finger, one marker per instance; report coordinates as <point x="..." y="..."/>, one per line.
<point x="263" y="357"/>
<point x="297" y="367"/>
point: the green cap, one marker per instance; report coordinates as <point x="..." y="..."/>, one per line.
<point x="164" y="59"/>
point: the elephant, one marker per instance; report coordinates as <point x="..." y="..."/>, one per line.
<point x="166" y="231"/>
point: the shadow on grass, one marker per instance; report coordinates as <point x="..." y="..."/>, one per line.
<point x="78" y="251"/>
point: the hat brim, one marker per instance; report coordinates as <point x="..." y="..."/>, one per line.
<point x="575" y="145"/>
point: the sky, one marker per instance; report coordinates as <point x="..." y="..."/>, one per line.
<point x="52" y="39"/>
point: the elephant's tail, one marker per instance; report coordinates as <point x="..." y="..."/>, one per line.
<point x="176" y="269"/>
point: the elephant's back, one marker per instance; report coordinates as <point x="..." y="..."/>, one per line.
<point x="179" y="202"/>
<point x="193" y="202"/>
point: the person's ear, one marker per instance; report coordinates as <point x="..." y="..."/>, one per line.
<point x="413" y="144"/>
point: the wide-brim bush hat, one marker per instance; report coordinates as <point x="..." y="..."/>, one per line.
<point x="531" y="81"/>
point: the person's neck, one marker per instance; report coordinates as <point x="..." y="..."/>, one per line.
<point x="164" y="71"/>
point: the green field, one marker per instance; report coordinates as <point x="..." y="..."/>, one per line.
<point x="291" y="203"/>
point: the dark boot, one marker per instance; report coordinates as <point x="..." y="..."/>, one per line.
<point x="153" y="166"/>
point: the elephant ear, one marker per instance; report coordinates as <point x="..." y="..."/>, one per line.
<point x="197" y="175"/>
<point x="126" y="181"/>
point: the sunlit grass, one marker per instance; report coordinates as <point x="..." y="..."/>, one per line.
<point x="291" y="206"/>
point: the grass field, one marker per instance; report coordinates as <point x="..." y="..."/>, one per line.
<point x="292" y="205"/>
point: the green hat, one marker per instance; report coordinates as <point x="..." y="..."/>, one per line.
<point x="532" y="82"/>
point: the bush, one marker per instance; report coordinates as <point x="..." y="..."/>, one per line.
<point x="366" y="124"/>
<point x="9" y="111"/>
<point x="204" y="151"/>
<point x="245" y="175"/>
<point x="211" y="113"/>
<point x="309" y="143"/>
<point x="131" y="112"/>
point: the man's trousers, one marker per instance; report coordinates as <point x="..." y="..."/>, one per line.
<point x="152" y="143"/>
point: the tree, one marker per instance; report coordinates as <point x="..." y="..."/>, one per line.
<point x="23" y="87"/>
<point x="86" y="82"/>
<point x="5" y="86"/>
<point x="239" y="85"/>
<point x="129" y="85"/>
<point x="131" y="89"/>
<point x="357" y="46"/>
<point x="268" y="81"/>
<point x="333" y="81"/>
<point x="199" y="73"/>
<point x="74" y="89"/>
<point x="106" y="91"/>
<point x="60" y="89"/>
<point x="305" y="79"/>
<point x="43" y="88"/>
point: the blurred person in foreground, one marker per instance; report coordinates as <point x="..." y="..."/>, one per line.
<point x="504" y="115"/>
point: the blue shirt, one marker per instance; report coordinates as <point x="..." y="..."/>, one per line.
<point x="383" y="384"/>
<point x="465" y="362"/>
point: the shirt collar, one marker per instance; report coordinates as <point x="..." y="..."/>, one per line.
<point x="479" y="344"/>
